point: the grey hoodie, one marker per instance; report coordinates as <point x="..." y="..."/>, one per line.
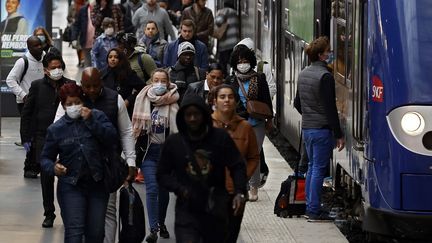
<point x="35" y="71"/>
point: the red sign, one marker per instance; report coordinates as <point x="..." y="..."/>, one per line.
<point x="377" y="89"/>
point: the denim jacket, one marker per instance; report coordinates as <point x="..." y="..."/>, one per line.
<point x="77" y="142"/>
<point x="99" y="51"/>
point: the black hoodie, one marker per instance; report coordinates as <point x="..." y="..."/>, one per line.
<point x="215" y="151"/>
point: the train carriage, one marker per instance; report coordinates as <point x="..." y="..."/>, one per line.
<point x="382" y="68"/>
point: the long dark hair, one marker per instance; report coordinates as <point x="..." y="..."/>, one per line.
<point x="123" y="68"/>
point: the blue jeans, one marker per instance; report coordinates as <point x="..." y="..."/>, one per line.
<point x="157" y="199"/>
<point x="83" y="209"/>
<point x="319" y="147"/>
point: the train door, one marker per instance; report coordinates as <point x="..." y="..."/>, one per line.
<point x="348" y="48"/>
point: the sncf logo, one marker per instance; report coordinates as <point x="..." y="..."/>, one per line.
<point x="377" y="89"/>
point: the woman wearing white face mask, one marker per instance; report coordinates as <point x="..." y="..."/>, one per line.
<point x="103" y="43"/>
<point x="45" y="38"/>
<point x="153" y="120"/>
<point x="79" y="139"/>
<point x="243" y="61"/>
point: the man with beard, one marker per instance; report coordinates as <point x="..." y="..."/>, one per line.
<point x="184" y="72"/>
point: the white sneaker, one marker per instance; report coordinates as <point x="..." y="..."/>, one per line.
<point x="253" y="194"/>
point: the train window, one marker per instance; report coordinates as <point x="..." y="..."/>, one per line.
<point x="340" y="49"/>
<point x="338" y="9"/>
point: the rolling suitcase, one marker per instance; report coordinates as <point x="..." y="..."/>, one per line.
<point x="291" y="200"/>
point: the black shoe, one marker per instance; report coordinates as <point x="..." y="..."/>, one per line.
<point x="48" y="221"/>
<point x="30" y="174"/>
<point x="263" y="179"/>
<point x="324" y="217"/>
<point x="163" y="232"/>
<point x="18" y="144"/>
<point x="152" y="237"/>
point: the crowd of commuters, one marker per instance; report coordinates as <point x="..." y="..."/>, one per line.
<point x="153" y="98"/>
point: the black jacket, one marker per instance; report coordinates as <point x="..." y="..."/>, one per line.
<point x="214" y="152"/>
<point x="182" y="76"/>
<point x="127" y="90"/>
<point x="40" y="108"/>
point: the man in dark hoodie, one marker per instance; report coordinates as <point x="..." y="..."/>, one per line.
<point x="192" y="165"/>
<point x="38" y="113"/>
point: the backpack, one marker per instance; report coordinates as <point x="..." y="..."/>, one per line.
<point x="260" y="66"/>
<point x="26" y="64"/>
<point x="141" y="64"/>
<point x="132" y="220"/>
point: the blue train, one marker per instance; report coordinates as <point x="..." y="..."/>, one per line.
<point x="383" y="64"/>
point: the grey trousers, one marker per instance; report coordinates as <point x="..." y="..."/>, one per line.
<point x="111" y="219"/>
<point x="259" y="130"/>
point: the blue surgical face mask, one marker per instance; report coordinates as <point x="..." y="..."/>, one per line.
<point x="330" y="58"/>
<point x="159" y="88"/>
<point x="42" y="38"/>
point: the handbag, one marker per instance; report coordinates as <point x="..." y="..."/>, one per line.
<point x="67" y="34"/>
<point x="255" y="108"/>
<point x="116" y="171"/>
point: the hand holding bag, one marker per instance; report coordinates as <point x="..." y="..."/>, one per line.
<point x="255" y="108"/>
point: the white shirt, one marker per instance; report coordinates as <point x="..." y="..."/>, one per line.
<point x="124" y="128"/>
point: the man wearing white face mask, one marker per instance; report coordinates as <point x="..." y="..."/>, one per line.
<point x="37" y="114"/>
<point x="103" y="44"/>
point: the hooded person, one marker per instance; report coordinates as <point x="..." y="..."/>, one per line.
<point x="192" y="165"/>
<point x="261" y="67"/>
<point x="265" y="68"/>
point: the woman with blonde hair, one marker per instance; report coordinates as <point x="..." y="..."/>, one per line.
<point x="47" y="42"/>
<point x="154" y="118"/>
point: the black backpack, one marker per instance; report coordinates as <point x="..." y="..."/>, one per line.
<point x="132" y="221"/>
<point x="291" y="200"/>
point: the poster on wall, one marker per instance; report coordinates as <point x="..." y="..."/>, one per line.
<point x="18" y="19"/>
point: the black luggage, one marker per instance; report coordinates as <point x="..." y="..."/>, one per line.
<point x="132" y="222"/>
<point x="292" y="198"/>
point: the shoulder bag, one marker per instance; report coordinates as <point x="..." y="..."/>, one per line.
<point x="255" y="108"/>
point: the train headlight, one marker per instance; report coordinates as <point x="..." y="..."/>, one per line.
<point x="412" y="123"/>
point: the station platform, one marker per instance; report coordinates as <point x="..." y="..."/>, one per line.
<point x="21" y="211"/>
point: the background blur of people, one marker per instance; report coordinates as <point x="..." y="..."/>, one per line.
<point x="151" y="11"/>
<point x="231" y="36"/>
<point x="103" y="43"/>
<point x="129" y="8"/>
<point x="103" y="9"/>
<point x="203" y="19"/>
<point x="46" y="40"/>
<point x="84" y="29"/>
<point x="153" y="42"/>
